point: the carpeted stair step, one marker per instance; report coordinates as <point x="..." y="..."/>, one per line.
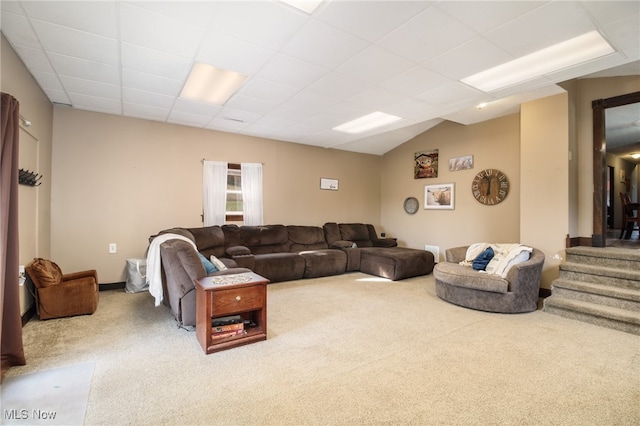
<point x="610" y="257"/>
<point x="606" y="316"/>
<point x="618" y="297"/>
<point x="596" y="274"/>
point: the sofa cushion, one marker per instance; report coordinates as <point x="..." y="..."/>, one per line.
<point x="209" y="240"/>
<point x="322" y="263"/>
<point x="464" y="276"/>
<point x="265" y="239"/>
<point x="306" y="238"/>
<point x="357" y="233"/>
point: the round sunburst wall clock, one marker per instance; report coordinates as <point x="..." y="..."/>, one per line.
<point x="490" y="187"/>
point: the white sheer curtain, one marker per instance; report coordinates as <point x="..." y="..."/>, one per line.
<point x="252" y="193"/>
<point x="214" y="192"/>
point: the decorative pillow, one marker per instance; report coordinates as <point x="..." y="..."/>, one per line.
<point x="209" y="267"/>
<point x="480" y="263"/>
<point x="505" y="259"/>
<point x="218" y="263"/>
<point x="474" y="251"/>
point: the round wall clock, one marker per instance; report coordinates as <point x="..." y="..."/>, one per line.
<point x="411" y="205"/>
<point x="490" y="187"/>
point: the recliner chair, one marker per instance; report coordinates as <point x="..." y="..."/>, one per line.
<point x="62" y="295"/>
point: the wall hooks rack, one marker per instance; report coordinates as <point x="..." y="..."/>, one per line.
<point x="26" y="177"/>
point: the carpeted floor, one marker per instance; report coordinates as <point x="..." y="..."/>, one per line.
<point x="347" y="350"/>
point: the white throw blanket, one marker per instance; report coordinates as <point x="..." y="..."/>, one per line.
<point x="505" y="256"/>
<point x="154" y="263"/>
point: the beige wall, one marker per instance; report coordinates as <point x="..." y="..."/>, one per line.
<point x="35" y="155"/>
<point x="120" y="180"/>
<point x="544" y="174"/>
<point x="493" y="144"/>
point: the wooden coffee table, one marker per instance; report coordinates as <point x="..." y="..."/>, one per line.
<point x="218" y="296"/>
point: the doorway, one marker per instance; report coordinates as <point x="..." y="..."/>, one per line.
<point x="600" y="170"/>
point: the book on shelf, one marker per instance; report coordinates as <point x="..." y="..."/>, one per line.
<point x="228" y="327"/>
<point x="223" y="334"/>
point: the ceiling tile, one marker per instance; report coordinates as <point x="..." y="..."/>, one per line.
<point x="376" y="98"/>
<point x="467" y="59"/>
<point x="246" y="103"/>
<point x="151" y="82"/>
<point x="154" y="62"/>
<point x="145" y="111"/>
<point x="407" y="82"/>
<point x="375" y="65"/>
<point x="92" y="103"/>
<point x="267" y="90"/>
<point x="91" y="88"/>
<point x="18" y="30"/>
<point x="552" y="23"/>
<point x="140" y="97"/>
<point x="198" y="13"/>
<point x="35" y="59"/>
<point x="311" y="102"/>
<point x="624" y="35"/>
<point x="429" y="34"/>
<point x="382" y="16"/>
<point x="187" y="119"/>
<point x="320" y="44"/>
<point x="97" y="17"/>
<point x="81" y="68"/>
<point x="452" y="94"/>
<point x="230" y="53"/>
<point x="155" y="31"/>
<point x="483" y="16"/>
<point x="267" y="24"/>
<point x="48" y="80"/>
<point x="338" y="85"/>
<point x="292" y="72"/>
<point x="79" y="44"/>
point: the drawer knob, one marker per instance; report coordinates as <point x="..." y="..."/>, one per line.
<point x="238" y="298"/>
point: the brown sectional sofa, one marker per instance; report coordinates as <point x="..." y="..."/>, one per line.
<point x="281" y="253"/>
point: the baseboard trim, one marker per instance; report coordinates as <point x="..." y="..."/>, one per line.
<point x="111" y="286"/>
<point x="30" y="313"/>
<point x="578" y="241"/>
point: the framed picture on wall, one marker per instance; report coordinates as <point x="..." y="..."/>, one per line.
<point x="623" y="175"/>
<point x="329" y="184"/>
<point x="461" y="163"/>
<point x="439" y="196"/>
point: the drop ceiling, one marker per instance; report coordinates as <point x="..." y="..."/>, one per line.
<point x="307" y="73"/>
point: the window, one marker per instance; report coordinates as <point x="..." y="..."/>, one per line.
<point x="233" y="211"/>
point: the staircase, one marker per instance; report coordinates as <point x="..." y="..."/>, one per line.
<point x="600" y="286"/>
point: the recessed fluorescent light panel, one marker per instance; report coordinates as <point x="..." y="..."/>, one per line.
<point x="368" y="122"/>
<point x="207" y="83"/>
<point x="572" y="52"/>
<point x="307" y="6"/>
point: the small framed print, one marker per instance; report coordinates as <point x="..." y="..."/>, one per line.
<point x="439" y="196"/>
<point x="461" y="163"/>
<point x="329" y="184"/>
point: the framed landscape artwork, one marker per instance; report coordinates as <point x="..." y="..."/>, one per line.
<point x="461" y="163"/>
<point x="440" y="196"/>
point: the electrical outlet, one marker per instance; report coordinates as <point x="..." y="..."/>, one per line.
<point x="112" y="248"/>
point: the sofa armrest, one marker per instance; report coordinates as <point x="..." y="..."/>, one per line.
<point x="524" y="278"/>
<point x="342" y="244"/>
<point x="238" y="251"/>
<point x="456" y="254"/>
<point x="385" y="242"/>
<point x="82" y="274"/>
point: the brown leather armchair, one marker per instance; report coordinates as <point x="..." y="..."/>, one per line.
<point x="62" y="295"/>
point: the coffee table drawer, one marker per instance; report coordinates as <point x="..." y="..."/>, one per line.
<point x="237" y="300"/>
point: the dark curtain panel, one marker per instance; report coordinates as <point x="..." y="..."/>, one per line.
<point x="11" y="323"/>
